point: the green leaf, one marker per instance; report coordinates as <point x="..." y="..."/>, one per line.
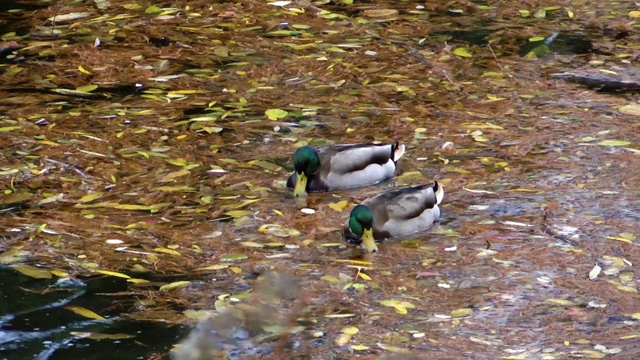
<point x="275" y="114"/>
<point x="153" y="9"/>
<point x="87" y="88"/>
<point x="9" y="128"/>
<point x="462" y="52"/>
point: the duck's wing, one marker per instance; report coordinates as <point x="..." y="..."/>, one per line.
<point x="346" y="159"/>
<point x="394" y="211"/>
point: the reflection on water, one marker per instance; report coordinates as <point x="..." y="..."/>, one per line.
<point x="34" y="323"/>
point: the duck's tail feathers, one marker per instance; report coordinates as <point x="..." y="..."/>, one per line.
<point x="398" y="151"/>
<point x="438" y="191"/>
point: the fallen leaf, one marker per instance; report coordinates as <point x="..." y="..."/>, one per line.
<point x="174" y="286"/>
<point x="84" y="312"/>
<point x="32" y="271"/>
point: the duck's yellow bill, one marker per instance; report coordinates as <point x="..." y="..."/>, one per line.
<point x="301" y="185"/>
<point x="368" y="242"/>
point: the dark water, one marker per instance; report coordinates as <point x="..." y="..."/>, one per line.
<point x="34" y="323"/>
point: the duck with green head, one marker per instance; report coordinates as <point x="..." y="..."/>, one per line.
<point x="394" y="213"/>
<point x="338" y="167"/>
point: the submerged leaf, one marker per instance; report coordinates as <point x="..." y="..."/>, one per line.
<point x="84" y="312"/>
<point x="174" y="286"/>
<point x="400" y="306"/>
<point x="32" y="271"/>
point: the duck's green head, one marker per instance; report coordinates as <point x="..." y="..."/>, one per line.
<point x="361" y="226"/>
<point x="306" y="162"/>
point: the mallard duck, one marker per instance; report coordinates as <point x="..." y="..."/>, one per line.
<point x="394" y="213"/>
<point x="342" y="166"/>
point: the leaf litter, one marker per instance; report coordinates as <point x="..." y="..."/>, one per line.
<point x="166" y="179"/>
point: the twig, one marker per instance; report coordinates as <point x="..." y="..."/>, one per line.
<point x="68" y="166"/>
<point x="495" y="57"/>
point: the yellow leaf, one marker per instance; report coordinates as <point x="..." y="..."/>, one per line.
<point x="238" y="213"/>
<point x="83" y="70"/>
<point x="355" y="262"/>
<point x="278" y="230"/>
<point x="84" y="312"/>
<point x="167" y="251"/>
<point x="137" y="281"/>
<point x="265" y="165"/>
<point x="359" y="347"/>
<point x="462" y="52"/>
<point x="175" y="174"/>
<point x="331" y="279"/>
<point x="339" y="316"/>
<point x="351" y="330"/>
<point x="628" y="236"/>
<point x="186" y="92"/>
<point x="484" y="126"/>
<point x="562" y="302"/>
<point x="60" y="273"/>
<point x="90" y="197"/>
<point x="627" y="288"/>
<point x="364" y="276"/>
<point x="632" y="109"/>
<point x="87" y="88"/>
<point x="343" y="339"/>
<point x="252" y="244"/>
<point x="339" y="206"/>
<point x="245" y="203"/>
<point x="495" y="98"/>
<point x="400" y="306"/>
<point x="177" y="162"/>
<point x="619" y="239"/>
<point x="113" y="273"/>
<point x="174" y="286"/>
<point x="459" y="313"/>
<point x="614" y="143"/>
<point x="634" y="14"/>
<point x="9" y="128"/>
<point x="32" y="271"/>
<point x="214" y="267"/>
